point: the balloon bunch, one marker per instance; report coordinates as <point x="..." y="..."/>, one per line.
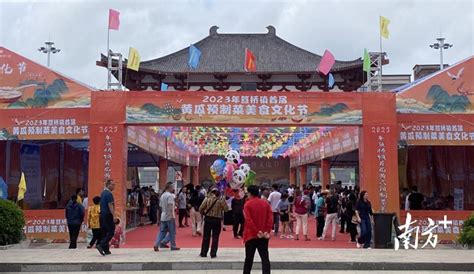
<point x="232" y="172"/>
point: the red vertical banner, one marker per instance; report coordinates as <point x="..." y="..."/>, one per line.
<point x="108" y="147"/>
<point x="378" y="158"/>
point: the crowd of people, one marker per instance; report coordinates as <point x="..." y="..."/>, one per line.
<point x="332" y="207"/>
<point x="255" y="213"/>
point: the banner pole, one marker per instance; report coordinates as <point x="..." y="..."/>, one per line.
<point x="109" y="79"/>
<point x="380" y="57"/>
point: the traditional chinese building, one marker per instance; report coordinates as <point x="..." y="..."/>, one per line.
<point x="281" y="66"/>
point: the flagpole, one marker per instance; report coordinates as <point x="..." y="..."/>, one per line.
<point x="108" y="54"/>
<point x="380" y="57"/>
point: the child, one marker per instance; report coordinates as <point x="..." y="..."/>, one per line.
<point x="93" y="221"/>
<point x="283" y="207"/>
<point x="118" y="236"/>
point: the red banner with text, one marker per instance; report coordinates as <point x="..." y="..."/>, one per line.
<point x="436" y="129"/>
<point x="50" y="225"/>
<point x="44" y="124"/>
<point x="291" y="108"/>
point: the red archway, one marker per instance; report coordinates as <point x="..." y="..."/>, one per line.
<point x="374" y="113"/>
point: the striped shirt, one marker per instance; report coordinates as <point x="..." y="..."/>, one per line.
<point x="218" y="208"/>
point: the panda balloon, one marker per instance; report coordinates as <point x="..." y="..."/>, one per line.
<point x="233" y="157"/>
<point x="245" y="168"/>
<point x="238" y="179"/>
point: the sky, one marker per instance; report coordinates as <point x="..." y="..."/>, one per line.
<point x="158" y="28"/>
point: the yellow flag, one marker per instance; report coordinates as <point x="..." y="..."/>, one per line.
<point x="21" y="187"/>
<point x="384" y="27"/>
<point x="133" y="59"/>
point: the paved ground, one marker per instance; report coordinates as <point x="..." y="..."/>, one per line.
<point x="144" y="236"/>
<point x="135" y="259"/>
<point x="258" y="271"/>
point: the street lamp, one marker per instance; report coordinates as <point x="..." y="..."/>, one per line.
<point x="441" y="45"/>
<point x="50" y="48"/>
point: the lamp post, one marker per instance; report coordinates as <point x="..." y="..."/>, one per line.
<point x="50" y="48"/>
<point x="441" y="45"/>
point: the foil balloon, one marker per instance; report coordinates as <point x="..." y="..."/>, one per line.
<point x="214" y="176"/>
<point x="245" y="168"/>
<point x="250" y="180"/>
<point x="232" y="156"/>
<point x="238" y="179"/>
<point x="229" y="171"/>
<point x="221" y="186"/>
<point x="218" y="167"/>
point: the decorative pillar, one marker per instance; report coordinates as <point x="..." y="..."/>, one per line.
<point x="325" y="173"/>
<point x="185" y="170"/>
<point x="293" y="176"/>
<point x="195" y="175"/>
<point x="163" y="173"/>
<point x="378" y="159"/>
<point x="108" y="149"/>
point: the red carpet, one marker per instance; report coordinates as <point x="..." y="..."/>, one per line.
<point x="144" y="237"/>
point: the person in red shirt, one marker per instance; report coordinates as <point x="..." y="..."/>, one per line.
<point x="258" y="217"/>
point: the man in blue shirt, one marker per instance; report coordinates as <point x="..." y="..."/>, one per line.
<point x="107" y="217"/>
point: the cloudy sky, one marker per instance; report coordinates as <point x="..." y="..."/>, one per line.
<point x="157" y="28"/>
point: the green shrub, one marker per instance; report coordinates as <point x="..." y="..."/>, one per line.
<point x="11" y="223"/>
<point x="466" y="238"/>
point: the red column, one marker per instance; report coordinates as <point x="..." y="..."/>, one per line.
<point x="293" y="176"/>
<point x="325" y="173"/>
<point x="378" y="157"/>
<point x="108" y="148"/>
<point x="185" y="170"/>
<point x="302" y="171"/>
<point x="195" y="175"/>
<point x="163" y="173"/>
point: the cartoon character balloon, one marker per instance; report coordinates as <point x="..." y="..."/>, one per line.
<point x="250" y="180"/>
<point x="229" y="171"/>
<point x="217" y="169"/>
<point x="245" y="168"/>
<point x="238" y="179"/>
<point x="233" y="157"/>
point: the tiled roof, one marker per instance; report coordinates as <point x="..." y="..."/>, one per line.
<point x="225" y="53"/>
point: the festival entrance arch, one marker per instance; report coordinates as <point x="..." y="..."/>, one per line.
<point x="373" y="113"/>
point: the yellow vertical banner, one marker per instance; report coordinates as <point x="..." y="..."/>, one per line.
<point x="384" y="27"/>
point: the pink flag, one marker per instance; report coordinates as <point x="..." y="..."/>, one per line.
<point x="326" y="63"/>
<point x="114" y="19"/>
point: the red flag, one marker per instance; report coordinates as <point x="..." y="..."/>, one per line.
<point x="114" y="19"/>
<point x="326" y="62"/>
<point x="250" y="64"/>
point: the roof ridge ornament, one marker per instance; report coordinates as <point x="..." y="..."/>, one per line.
<point x="213" y="30"/>
<point x="271" y="30"/>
